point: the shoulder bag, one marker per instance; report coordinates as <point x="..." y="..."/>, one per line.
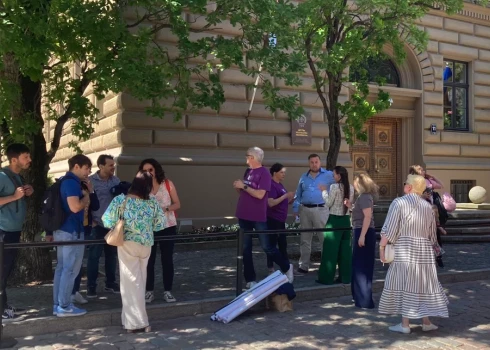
<point x="115" y="236"/>
<point x="390" y="247"/>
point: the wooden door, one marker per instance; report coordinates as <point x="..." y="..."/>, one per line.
<point x="378" y="155"/>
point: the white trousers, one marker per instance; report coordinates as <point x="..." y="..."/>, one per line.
<point x="133" y="258"/>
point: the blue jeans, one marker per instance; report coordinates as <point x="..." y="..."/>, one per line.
<point x="69" y="262"/>
<point x="78" y="279"/>
<point x="94" y="253"/>
<point x="270" y="250"/>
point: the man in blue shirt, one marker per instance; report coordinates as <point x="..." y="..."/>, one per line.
<point x="12" y="211"/>
<point x="74" y="202"/>
<point x="311" y="208"/>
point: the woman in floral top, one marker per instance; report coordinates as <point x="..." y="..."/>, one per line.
<point x="165" y="193"/>
<point x="142" y="216"/>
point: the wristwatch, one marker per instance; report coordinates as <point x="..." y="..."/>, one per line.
<point x="167" y="209"/>
<point x="245" y="187"/>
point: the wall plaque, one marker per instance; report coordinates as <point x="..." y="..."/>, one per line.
<point x="301" y="130"/>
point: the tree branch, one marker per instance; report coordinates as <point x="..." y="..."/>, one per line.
<point x="316" y="77"/>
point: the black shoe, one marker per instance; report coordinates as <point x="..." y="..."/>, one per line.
<point x="8" y="315"/>
<point x="300" y="272"/>
<point x="112" y="288"/>
<point x="16" y="311"/>
<point x="91" y="292"/>
<point x="439" y="262"/>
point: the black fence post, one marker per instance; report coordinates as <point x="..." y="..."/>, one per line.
<point x="239" y="261"/>
<point x="5" y="342"/>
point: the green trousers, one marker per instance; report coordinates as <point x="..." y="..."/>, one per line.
<point x="337" y="250"/>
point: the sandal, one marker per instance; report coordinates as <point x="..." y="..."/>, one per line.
<point x="146" y="329"/>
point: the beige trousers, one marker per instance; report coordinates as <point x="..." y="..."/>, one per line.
<point x="310" y="218"/>
<point x="133" y="258"/>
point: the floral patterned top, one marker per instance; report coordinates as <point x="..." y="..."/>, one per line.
<point x="142" y="217"/>
<point x="163" y="198"/>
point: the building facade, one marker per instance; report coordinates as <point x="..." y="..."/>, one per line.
<point x="440" y="118"/>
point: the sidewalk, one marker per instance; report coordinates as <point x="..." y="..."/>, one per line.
<point x="211" y="273"/>
<point x="323" y="324"/>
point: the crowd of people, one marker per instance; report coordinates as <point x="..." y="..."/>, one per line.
<point x="93" y="205"/>
<point x="325" y="198"/>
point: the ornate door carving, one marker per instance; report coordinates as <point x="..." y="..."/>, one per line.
<point x="378" y="155"/>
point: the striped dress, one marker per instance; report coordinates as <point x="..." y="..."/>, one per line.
<point x="412" y="288"/>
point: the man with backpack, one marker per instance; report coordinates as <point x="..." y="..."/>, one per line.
<point x="12" y="212"/>
<point x="66" y="202"/>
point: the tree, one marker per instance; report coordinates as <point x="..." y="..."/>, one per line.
<point x="113" y="46"/>
<point x="331" y="36"/>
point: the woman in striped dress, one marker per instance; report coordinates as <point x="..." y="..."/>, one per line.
<point x="411" y="286"/>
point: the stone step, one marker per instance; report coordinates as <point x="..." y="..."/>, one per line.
<point x="480" y="230"/>
<point x="468" y="222"/>
<point x="470" y="214"/>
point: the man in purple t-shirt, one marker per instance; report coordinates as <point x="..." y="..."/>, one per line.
<point x="251" y="212"/>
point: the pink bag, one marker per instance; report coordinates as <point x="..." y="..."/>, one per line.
<point x="448" y="202"/>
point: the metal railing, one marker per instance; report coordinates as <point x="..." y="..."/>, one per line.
<point x="240" y="234"/>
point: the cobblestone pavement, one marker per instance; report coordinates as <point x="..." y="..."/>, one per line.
<point x="203" y="274"/>
<point x="325" y="324"/>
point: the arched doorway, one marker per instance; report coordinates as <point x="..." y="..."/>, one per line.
<point x="390" y="146"/>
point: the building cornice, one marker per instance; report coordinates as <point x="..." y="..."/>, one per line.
<point x="470" y="12"/>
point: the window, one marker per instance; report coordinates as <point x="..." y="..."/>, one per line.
<point x="377" y="68"/>
<point x="460" y="190"/>
<point x="455" y="76"/>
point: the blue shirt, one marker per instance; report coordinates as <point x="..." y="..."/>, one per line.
<point x="71" y="187"/>
<point x="308" y="191"/>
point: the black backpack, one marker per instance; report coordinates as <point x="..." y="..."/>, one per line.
<point x="52" y="213"/>
<point x="443" y="214"/>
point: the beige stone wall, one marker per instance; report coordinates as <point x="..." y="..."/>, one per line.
<point x="204" y="152"/>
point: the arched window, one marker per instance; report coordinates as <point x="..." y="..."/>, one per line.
<point x="377" y="68"/>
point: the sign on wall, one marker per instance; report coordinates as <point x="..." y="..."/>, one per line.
<point x="301" y="130"/>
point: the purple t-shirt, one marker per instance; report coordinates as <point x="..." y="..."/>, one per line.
<point x="278" y="212"/>
<point x="251" y="208"/>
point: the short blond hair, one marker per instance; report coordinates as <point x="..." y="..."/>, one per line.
<point x="365" y="184"/>
<point x="417" y="182"/>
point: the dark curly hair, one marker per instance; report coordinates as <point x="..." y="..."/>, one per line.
<point x="159" y="173"/>
<point x="142" y="185"/>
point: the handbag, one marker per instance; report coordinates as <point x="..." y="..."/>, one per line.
<point x="448" y="202"/>
<point x="115" y="236"/>
<point x="390" y="247"/>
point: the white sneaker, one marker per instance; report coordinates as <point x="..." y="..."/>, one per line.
<point x="168" y="297"/>
<point x="400" y="329"/>
<point x="290" y="273"/>
<point x="429" y="327"/>
<point x="149" y="297"/>
<point x="77" y="298"/>
<point x="250" y="285"/>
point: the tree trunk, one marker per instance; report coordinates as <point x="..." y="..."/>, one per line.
<point x="334" y="135"/>
<point x="32" y="264"/>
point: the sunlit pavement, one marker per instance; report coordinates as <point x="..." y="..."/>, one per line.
<point x="325" y="324"/>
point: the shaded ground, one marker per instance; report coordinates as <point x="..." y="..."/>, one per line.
<point x="326" y="324"/>
<point x="211" y="273"/>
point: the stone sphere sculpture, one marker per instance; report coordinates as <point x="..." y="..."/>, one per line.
<point x="477" y="195"/>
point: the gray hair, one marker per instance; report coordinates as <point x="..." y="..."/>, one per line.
<point x="257" y="153"/>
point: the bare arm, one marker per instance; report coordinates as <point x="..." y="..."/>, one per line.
<point x="273" y="202"/>
<point x="368" y="214"/>
<point x="259" y="194"/>
<point x="18" y="194"/>
<point x="175" y="198"/>
<point x="76" y="204"/>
